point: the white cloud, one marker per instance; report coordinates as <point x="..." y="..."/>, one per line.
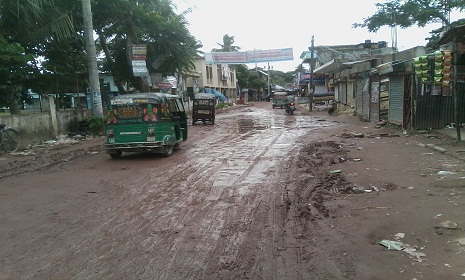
<point x="262" y="24"/>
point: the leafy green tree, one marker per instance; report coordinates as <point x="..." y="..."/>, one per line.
<point x="121" y="24"/>
<point x="15" y="69"/>
<point x="242" y="75"/>
<point x="23" y="25"/>
<point x="406" y="13"/>
<point x="300" y="69"/>
<point x="228" y="45"/>
<point x="255" y="82"/>
<point x="437" y="33"/>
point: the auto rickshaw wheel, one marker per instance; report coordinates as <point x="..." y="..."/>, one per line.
<point x="168" y="150"/>
<point x="213" y="121"/>
<point x="117" y="154"/>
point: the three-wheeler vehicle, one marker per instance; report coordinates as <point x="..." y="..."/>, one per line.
<point x="278" y="99"/>
<point x="145" y="122"/>
<point x="203" y="108"/>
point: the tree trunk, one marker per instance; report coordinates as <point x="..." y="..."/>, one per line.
<point x="92" y="59"/>
<point x="13" y="106"/>
<point x="110" y="61"/>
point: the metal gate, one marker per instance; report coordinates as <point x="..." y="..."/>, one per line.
<point x="436" y="111"/>
<point x="359" y="97"/>
<point x="343" y="92"/>
<point x="362" y="98"/>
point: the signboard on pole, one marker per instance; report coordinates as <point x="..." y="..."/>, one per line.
<point x="139" y="52"/>
<point x="139" y="68"/>
<point x="139" y="55"/>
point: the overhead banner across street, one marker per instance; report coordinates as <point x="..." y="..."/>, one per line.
<point x="249" y="56"/>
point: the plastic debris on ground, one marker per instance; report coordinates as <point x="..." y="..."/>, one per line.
<point x="446" y="173"/>
<point x="447" y="225"/>
<point x="400" y="246"/>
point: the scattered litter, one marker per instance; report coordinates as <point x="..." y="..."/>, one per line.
<point x="461" y="241"/>
<point x="463" y="274"/>
<point x="392" y="245"/>
<point x="335" y="171"/>
<point x="399" y="235"/>
<point x="356" y="189"/>
<point x="371" y="207"/>
<point x="431" y="136"/>
<point x="434" y="147"/>
<point x="400" y="246"/>
<point x="447" y="265"/>
<point x="447" y="225"/>
<point x="413" y="252"/>
<point x="410" y="188"/>
<point x="352" y="135"/>
<point x="356" y="159"/>
<point x="445" y="172"/>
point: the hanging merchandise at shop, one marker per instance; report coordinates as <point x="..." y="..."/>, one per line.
<point x="435" y="69"/>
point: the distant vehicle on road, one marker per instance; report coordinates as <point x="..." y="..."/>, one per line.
<point x="203" y="108"/>
<point x="278" y="99"/>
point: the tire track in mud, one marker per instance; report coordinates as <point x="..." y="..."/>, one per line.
<point x="227" y="206"/>
<point x="306" y="212"/>
<point x="228" y="210"/>
<point x="175" y="221"/>
<point x="213" y="216"/>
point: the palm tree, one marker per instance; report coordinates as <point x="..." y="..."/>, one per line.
<point x="227" y="45"/>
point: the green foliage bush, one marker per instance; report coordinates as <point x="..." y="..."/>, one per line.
<point x="93" y="125"/>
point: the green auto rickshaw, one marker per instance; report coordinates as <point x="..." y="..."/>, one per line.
<point x="140" y="122"/>
<point x="278" y="99"/>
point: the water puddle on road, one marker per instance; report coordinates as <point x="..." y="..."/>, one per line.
<point x="243" y="149"/>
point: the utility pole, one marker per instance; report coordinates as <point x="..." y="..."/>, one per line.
<point x="91" y="53"/>
<point x="310" y="85"/>
<point x="269" y="88"/>
<point x="454" y="89"/>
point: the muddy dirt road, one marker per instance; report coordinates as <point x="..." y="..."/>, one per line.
<point x="259" y="195"/>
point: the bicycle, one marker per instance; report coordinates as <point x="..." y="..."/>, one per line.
<point x="9" y="138"/>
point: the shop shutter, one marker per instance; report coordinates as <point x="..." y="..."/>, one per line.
<point x="396" y="97"/>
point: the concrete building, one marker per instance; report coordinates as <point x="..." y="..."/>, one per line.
<point x="221" y="77"/>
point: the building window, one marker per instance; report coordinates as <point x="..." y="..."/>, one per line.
<point x="209" y="71"/>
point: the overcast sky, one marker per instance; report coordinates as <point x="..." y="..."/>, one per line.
<point x="265" y="24"/>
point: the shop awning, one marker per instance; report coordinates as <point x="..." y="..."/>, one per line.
<point x="456" y="33"/>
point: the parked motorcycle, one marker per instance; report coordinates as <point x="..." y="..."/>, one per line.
<point x="290" y="108"/>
